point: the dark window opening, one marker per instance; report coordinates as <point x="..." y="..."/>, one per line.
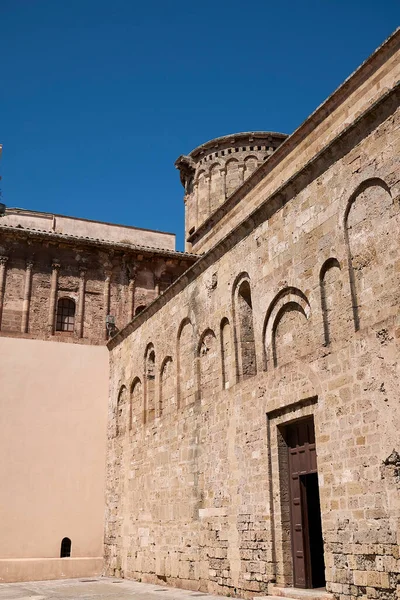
<point x="65" y="548"/>
<point x="65" y="315"/>
<point x="139" y="309"/>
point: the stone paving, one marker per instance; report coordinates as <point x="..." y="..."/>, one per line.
<point x="95" y="588"/>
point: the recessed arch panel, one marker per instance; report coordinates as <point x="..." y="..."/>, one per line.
<point x="207" y="358"/>
<point x="185" y="363"/>
<point x="295" y="301"/>
<point x="244" y="327"/>
<point x="150" y="384"/>
<point x="366" y="225"/>
<point x="167" y="402"/>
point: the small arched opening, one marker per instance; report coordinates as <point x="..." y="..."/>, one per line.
<point x="139" y="309"/>
<point x="65" y="551"/>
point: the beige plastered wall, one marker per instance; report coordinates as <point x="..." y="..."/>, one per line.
<point x="52" y="447"/>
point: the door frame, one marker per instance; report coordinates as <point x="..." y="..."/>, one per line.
<point x="279" y="506"/>
<point x="302" y="461"/>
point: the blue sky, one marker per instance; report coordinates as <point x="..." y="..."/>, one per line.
<point x="99" y="98"/>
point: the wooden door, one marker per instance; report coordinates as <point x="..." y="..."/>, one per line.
<point x="300" y="438"/>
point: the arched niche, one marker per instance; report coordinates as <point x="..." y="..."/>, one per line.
<point x="283" y="326"/>
<point x="335" y="302"/>
<point x="150" y="384"/>
<point x="202" y="187"/>
<point x="207" y="357"/>
<point x="227" y="354"/>
<point x="122" y="417"/>
<point x="136" y="408"/>
<point x="233" y="175"/>
<point x="167" y="387"/>
<point x="186" y="387"/>
<point x="250" y="165"/>
<point x="217" y="193"/>
<point x="369" y="247"/>
<point x="244" y="327"/>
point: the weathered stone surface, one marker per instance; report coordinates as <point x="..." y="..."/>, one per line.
<point x="214" y="170"/>
<point x="38" y="268"/>
<point x="292" y="312"/>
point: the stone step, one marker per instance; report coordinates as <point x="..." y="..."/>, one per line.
<point x="293" y="597"/>
<point x="269" y="598"/>
<point x="278" y="593"/>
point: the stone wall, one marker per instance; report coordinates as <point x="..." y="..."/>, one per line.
<point x="214" y="170"/>
<point x="294" y="313"/>
<point x="362" y="90"/>
<point x="37" y="272"/>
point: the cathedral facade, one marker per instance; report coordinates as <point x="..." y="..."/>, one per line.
<point x="244" y="394"/>
<point x="253" y="427"/>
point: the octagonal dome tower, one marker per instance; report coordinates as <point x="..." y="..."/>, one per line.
<point x="214" y="170"/>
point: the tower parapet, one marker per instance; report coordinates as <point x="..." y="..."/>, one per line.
<point x="214" y="170"/>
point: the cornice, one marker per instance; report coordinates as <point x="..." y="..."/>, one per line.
<point x="235" y="138"/>
<point x="147" y="251"/>
<point x="359" y="76"/>
<point x="336" y="149"/>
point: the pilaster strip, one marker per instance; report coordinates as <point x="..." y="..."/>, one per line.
<point x="27" y="296"/>
<point x="81" y="302"/>
<point x="3" y="266"/>
<point x="53" y="295"/>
